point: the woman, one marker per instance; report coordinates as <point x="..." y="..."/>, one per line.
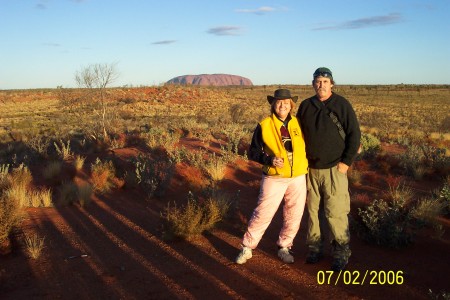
<point x="278" y="145"/>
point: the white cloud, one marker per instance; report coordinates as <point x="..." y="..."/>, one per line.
<point x="259" y="11"/>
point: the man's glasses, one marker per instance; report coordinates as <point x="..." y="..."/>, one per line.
<point x="322" y="74"/>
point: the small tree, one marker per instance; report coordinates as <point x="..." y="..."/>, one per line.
<point x="96" y="78"/>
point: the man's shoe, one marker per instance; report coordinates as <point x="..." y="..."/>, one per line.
<point x="338" y="265"/>
<point x="285" y="255"/>
<point x="313" y="257"/>
<point x="244" y="255"/>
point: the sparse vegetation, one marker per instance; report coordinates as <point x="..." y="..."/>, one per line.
<point x="157" y="139"/>
<point x="34" y="245"/>
<point x="370" y="144"/>
<point x="102" y="176"/>
<point x="78" y="162"/>
<point x="10" y="215"/>
<point x="394" y="222"/>
<point x="196" y="216"/>
<point x="68" y="193"/>
<point x="152" y="175"/>
<point x="52" y="170"/>
<point x="63" y="149"/>
<point x="215" y="167"/>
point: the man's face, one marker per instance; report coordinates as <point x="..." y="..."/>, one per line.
<point x="322" y="86"/>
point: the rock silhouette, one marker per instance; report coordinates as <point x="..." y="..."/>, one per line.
<point x="210" y="79"/>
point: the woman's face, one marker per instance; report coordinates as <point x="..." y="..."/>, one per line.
<point x="282" y="108"/>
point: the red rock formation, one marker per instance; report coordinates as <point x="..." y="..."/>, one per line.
<point x="210" y="79"/>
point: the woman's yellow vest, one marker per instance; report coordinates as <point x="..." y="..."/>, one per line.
<point x="273" y="146"/>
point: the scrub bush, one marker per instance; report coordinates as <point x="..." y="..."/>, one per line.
<point x="102" y="176"/>
<point x="370" y="145"/>
<point x="153" y="175"/>
<point x="386" y="224"/>
<point x="395" y="222"/>
<point x="195" y="216"/>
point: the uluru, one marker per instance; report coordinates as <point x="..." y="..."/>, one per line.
<point x="210" y="79"/>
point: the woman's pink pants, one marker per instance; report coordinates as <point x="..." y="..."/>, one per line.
<point x="273" y="190"/>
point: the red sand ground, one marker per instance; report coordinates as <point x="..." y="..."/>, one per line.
<point x="113" y="249"/>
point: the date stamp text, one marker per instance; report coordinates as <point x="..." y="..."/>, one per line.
<point x="355" y="277"/>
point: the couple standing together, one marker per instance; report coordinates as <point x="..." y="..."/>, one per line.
<point x="321" y="140"/>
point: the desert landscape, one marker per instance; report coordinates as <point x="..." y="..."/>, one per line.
<point x="145" y="193"/>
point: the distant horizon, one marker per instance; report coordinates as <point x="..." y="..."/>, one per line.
<point x="225" y="86"/>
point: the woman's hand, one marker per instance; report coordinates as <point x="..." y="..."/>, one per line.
<point x="278" y="162"/>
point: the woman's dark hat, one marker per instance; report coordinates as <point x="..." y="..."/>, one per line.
<point x="281" y="94"/>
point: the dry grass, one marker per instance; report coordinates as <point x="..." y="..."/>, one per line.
<point x="40" y="198"/>
<point x="34" y="245"/>
<point x="194" y="218"/>
<point x="215" y="167"/>
<point x="78" y="162"/>
<point x="63" y="149"/>
<point x="19" y="194"/>
<point x="21" y="176"/>
<point x="428" y="210"/>
<point x="102" y="176"/>
<point x="10" y="215"/>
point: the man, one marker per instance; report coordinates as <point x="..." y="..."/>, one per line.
<point x="332" y="136"/>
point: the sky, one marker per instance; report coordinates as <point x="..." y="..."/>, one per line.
<point x="44" y="43"/>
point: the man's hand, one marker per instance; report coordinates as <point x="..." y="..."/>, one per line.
<point x="343" y="168"/>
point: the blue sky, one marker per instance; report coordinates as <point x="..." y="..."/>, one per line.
<point x="45" y="42"/>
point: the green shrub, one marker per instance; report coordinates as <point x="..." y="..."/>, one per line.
<point x="386" y="224"/>
<point x="419" y="159"/>
<point x="411" y="160"/>
<point x="370" y="145"/>
<point x="394" y="223"/>
<point x="152" y="175"/>
<point x="234" y="134"/>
